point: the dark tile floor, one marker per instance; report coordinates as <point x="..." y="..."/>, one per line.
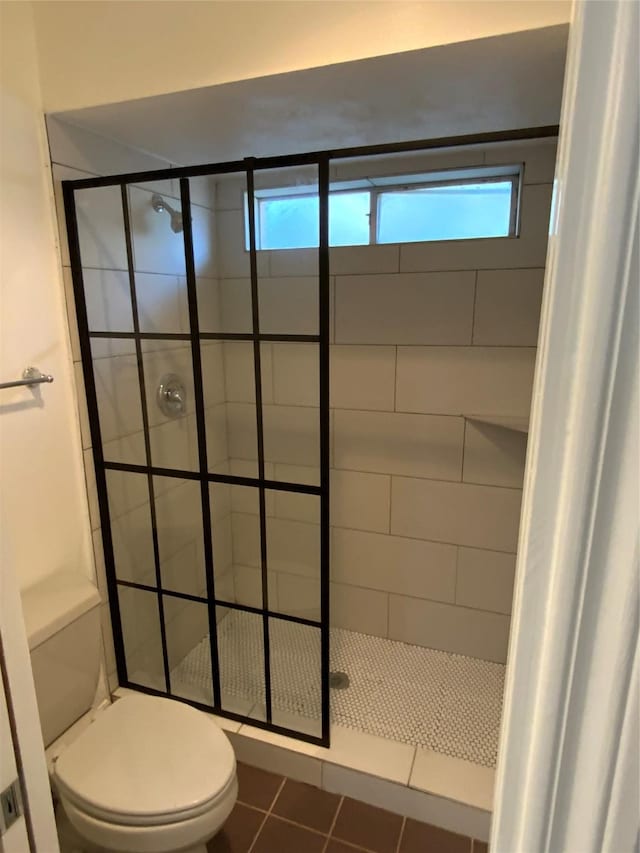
<point x="277" y="815"/>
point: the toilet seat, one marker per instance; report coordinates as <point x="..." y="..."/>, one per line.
<point x="147" y="761"/>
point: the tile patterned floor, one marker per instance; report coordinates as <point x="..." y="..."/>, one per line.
<point x="448" y="703"/>
<point x="278" y="815"/>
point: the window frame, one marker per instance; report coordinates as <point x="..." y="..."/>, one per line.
<point x="377" y="187"/>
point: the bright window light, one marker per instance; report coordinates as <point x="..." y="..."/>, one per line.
<point x="452" y="212"/>
<point x="463" y="205"/>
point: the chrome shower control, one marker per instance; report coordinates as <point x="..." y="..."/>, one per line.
<point x="171" y="396"/>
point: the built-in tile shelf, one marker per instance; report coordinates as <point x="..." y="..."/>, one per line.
<point x="515" y="422"/>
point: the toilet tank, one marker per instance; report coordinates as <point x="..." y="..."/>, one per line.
<point x="62" y="616"/>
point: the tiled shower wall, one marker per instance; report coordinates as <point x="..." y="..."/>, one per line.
<point x="426" y="339"/>
<point x="425" y="502"/>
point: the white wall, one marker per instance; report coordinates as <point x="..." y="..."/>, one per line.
<point x="43" y="508"/>
<point x="100" y="52"/>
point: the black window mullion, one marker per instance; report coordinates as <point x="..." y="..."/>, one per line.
<point x="192" y="298"/>
<point x="324" y="324"/>
<point x="145" y="427"/>
<point x="255" y="311"/>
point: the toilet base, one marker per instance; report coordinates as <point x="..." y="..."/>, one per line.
<point x="187" y="836"/>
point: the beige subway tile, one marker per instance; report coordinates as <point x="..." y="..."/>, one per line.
<point x="361" y="501"/>
<point x="174" y="444"/>
<point x="129" y="448"/>
<point x="156" y="247"/>
<point x="233" y="258"/>
<point x="178" y="517"/>
<point x="294" y="505"/>
<point x="459" y="513"/>
<point x="394" y="564"/>
<point x="101" y="228"/>
<point x="235" y="305"/>
<point x="118" y="396"/>
<point x="108" y="299"/>
<point x="508" y="307"/>
<point x="394" y="443"/>
<point x="465" y="380"/>
<point x="485" y="579"/>
<point x="298" y="596"/>
<point x="235" y="433"/>
<point x="423" y="308"/>
<point x="355" y="260"/>
<point x="213" y="373"/>
<point x="296" y="374"/>
<point x="239" y="372"/>
<point x="292" y="262"/>
<point x="246" y="539"/>
<point x="449" y="628"/>
<point x="538" y="156"/>
<point x="493" y="455"/>
<point x="361" y="610"/>
<point x="162" y="303"/>
<point x="209" y="307"/>
<point x="527" y="250"/>
<point x="363" y="377"/>
<point x="186" y="623"/>
<point x="126" y="491"/>
<point x="248" y="585"/>
<point x="293" y="547"/>
<point x="291" y="436"/>
<point x="133" y="546"/>
<point x="289" y="305"/>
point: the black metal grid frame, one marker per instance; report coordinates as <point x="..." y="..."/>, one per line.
<point x="248" y="166"/>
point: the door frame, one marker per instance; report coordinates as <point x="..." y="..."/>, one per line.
<point x="567" y="776"/>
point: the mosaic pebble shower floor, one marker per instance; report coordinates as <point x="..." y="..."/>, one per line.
<point x="445" y="702"/>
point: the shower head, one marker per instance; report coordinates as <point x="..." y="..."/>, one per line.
<point x="160" y="205"/>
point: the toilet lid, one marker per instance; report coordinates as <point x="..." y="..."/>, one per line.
<point x="145" y="757"/>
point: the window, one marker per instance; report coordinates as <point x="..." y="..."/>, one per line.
<point x="462" y="205"/>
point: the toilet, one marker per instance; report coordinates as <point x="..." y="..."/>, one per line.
<point x="142" y="774"/>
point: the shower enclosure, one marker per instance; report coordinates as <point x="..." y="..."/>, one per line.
<point x="205" y="344"/>
<point x="188" y="450"/>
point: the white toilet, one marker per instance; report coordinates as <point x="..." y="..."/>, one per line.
<point x="141" y="775"/>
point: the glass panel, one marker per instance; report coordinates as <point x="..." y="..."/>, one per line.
<point x="188" y="649"/>
<point x="180" y="537"/>
<point x="295" y="655"/>
<point x="349" y="215"/>
<point x="244" y="521"/>
<point x="115" y="370"/>
<point x="293" y="554"/>
<point x="159" y="260"/>
<point x="230" y="401"/>
<point x="292" y="221"/>
<point x="454" y="212"/>
<point x="172" y="414"/>
<point x="288" y="293"/>
<point x="221" y="256"/>
<point x="241" y="655"/>
<point x="222" y="540"/>
<point x="291" y="411"/>
<point x="141" y="634"/>
<point x="131" y="533"/>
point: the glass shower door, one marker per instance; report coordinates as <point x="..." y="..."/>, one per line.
<point x="205" y="360"/>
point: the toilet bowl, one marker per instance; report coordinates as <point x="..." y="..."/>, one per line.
<point x="149" y="775"/>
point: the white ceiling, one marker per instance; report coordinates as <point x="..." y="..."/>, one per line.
<point x="499" y="83"/>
